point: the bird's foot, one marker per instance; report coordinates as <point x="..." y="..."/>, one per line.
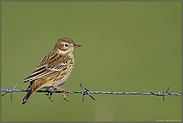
<point x="64" y="90"/>
<point x="49" y="96"/>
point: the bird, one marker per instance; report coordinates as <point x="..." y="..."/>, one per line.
<point x="53" y="70"/>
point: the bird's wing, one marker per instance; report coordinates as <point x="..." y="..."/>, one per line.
<point x="50" y="64"/>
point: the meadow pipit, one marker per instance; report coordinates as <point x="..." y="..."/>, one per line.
<point x="53" y="70"/>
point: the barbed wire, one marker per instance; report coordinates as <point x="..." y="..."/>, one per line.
<point x="87" y="92"/>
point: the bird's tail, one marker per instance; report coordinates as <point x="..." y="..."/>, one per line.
<point x="36" y="85"/>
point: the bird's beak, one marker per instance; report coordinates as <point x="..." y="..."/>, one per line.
<point x="76" y="45"/>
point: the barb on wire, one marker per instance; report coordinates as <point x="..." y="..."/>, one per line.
<point x="9" y="90"/>
<point x="162" y="93"/>
<point x="165" y="92"/>
<point x="87" y="92"/>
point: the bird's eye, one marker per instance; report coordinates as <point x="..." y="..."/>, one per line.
<point x="66" y="45"/>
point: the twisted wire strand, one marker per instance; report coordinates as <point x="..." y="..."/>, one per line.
<point x="87" y="92"/>
<point x="99" y="92"/>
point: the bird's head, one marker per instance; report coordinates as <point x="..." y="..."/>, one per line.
<point x="65" y="46"/>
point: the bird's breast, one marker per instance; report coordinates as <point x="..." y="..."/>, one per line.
<point x="59" y="78"/>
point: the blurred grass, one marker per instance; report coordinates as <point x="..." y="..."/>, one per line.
<point x="126" y="46"/>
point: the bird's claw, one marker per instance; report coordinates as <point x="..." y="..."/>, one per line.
<point x="49" y="96"/>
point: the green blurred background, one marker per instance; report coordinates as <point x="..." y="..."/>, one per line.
<point x="126" y="47"/>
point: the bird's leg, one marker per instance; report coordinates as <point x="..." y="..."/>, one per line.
<point x="49" y="96"/>
<point x="64" y="90"/>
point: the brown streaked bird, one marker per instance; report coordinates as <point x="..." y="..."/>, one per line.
<point x="53" y="70"/>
